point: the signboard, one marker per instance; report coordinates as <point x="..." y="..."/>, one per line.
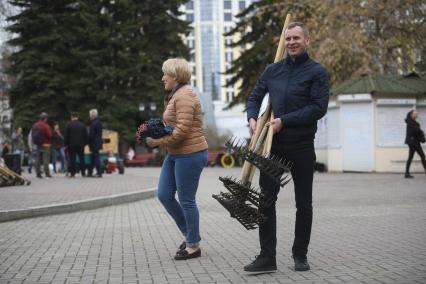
<point x="391" y="125"/>
<point x="396" y="101"/>
<point x="354" y="98"/>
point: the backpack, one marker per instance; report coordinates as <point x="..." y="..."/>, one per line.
<point x="37" y="135"/>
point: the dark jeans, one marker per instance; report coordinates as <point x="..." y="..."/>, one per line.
<point x="73" y="153"/>
<point x="414" y="147"/>
<point x="95" y="162"/>
<point x="302" y="157"/>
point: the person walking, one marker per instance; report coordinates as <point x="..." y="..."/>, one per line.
<point x="186" y="157"/>
<point x="41" y="136"/>
<point x="414" y="136"/>
<point x="75" y="140"/>
<point x="298" y="91"/>
<point x="95" y="143"/>
<point x="57" y="147"/>
<point x="32" y="151"/>
<point x="18" y="145"/>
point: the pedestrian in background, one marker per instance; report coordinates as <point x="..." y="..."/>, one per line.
<point x="75" y="140"/>
<point x="186" y="157"/>
<point x="6" y="149"/>
<point x="41" y="136"/>
<point x="32" y="151"/>
<point x="58" y="147"/>
<point x="95" y="143"/>
<point x="18" y="146"/>
<point x="414" y="136"/>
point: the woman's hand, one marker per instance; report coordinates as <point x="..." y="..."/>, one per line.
<point x="152" y="142"/>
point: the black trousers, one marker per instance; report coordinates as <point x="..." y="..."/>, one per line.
<point x="302" y="156"/>
<point x="73" y="153"/>
<point x="414" y="147"/>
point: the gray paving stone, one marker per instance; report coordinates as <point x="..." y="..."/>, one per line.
<point x="368" y="228"/>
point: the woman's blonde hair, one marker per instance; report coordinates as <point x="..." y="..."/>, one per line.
<point x="177" y="68"/>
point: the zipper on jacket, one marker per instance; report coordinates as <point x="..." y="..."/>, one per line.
<point x="290" y="73"/>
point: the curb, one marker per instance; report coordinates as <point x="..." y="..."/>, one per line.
<point x="87" y="204"/>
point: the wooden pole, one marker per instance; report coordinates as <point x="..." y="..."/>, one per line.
<point x="248" y="169"/>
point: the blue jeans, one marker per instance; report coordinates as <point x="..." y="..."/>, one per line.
<point x="61" y="153"/>
<point x="181" y="173"/>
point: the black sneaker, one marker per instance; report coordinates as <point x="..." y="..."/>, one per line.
<point x="408" y="176"/>
<point x="262" y="264"/>
<point x="301" y="263"/>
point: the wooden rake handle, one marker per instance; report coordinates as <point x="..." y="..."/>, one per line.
<point x="248" y="169"/>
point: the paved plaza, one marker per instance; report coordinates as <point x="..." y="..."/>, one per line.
<point x="62" y="189"/>
<point x="368" y="228"/>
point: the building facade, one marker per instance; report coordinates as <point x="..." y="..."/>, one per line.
<point x="364" y="128"/>
<point x="211" y="57"/>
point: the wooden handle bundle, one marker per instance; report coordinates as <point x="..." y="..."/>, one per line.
<point x="9" y="177"/>
<point x="261" y="141"/>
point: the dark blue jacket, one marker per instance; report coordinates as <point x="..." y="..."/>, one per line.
<point x="75" y="134"/>
<point x="298" y="91"/>
<point x="95" y="135"/>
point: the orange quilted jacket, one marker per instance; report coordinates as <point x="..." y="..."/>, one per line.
<point x="183" y="112"/>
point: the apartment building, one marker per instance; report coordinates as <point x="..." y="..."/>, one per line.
<point x="211" y="57"/>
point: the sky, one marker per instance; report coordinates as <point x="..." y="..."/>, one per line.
<point x="3" y="34"/>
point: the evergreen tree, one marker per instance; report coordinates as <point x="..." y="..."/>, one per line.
<point x="106" y="54"/>
<point x="348" y="38"/>
<point x="41" y="60"/>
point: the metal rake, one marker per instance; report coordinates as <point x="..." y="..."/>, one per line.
<point x="242" y="200"/>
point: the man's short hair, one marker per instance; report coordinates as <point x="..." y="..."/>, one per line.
<point x="94" y="112"/>
<point x="74" y="114"/>
<point x="43" y="115"/>
<point x="177" y="68"/>
<point x="298" y="24"/>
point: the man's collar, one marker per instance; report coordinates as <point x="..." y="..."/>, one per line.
<point x="297" y="60"/>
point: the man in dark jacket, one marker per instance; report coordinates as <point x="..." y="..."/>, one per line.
<point x="414" y="136"/>
<point x="95" y="143"/>
<point x="43" y="149"/>
<point x="75" y="140"/>
<point x="298" y="91"/>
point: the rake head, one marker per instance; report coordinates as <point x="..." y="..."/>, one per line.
<point x="245" y="213"/>
<point x="244" y="192"/>
<point x="242" y="202"/>
<point x="271" y="165"/>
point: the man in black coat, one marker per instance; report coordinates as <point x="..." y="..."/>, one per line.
<point x="95" y="143"/>
<point x="298" y="91"/>
<point x="75" y="139"/>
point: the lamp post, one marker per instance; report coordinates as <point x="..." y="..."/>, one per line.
<point x="147" y="110"/>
